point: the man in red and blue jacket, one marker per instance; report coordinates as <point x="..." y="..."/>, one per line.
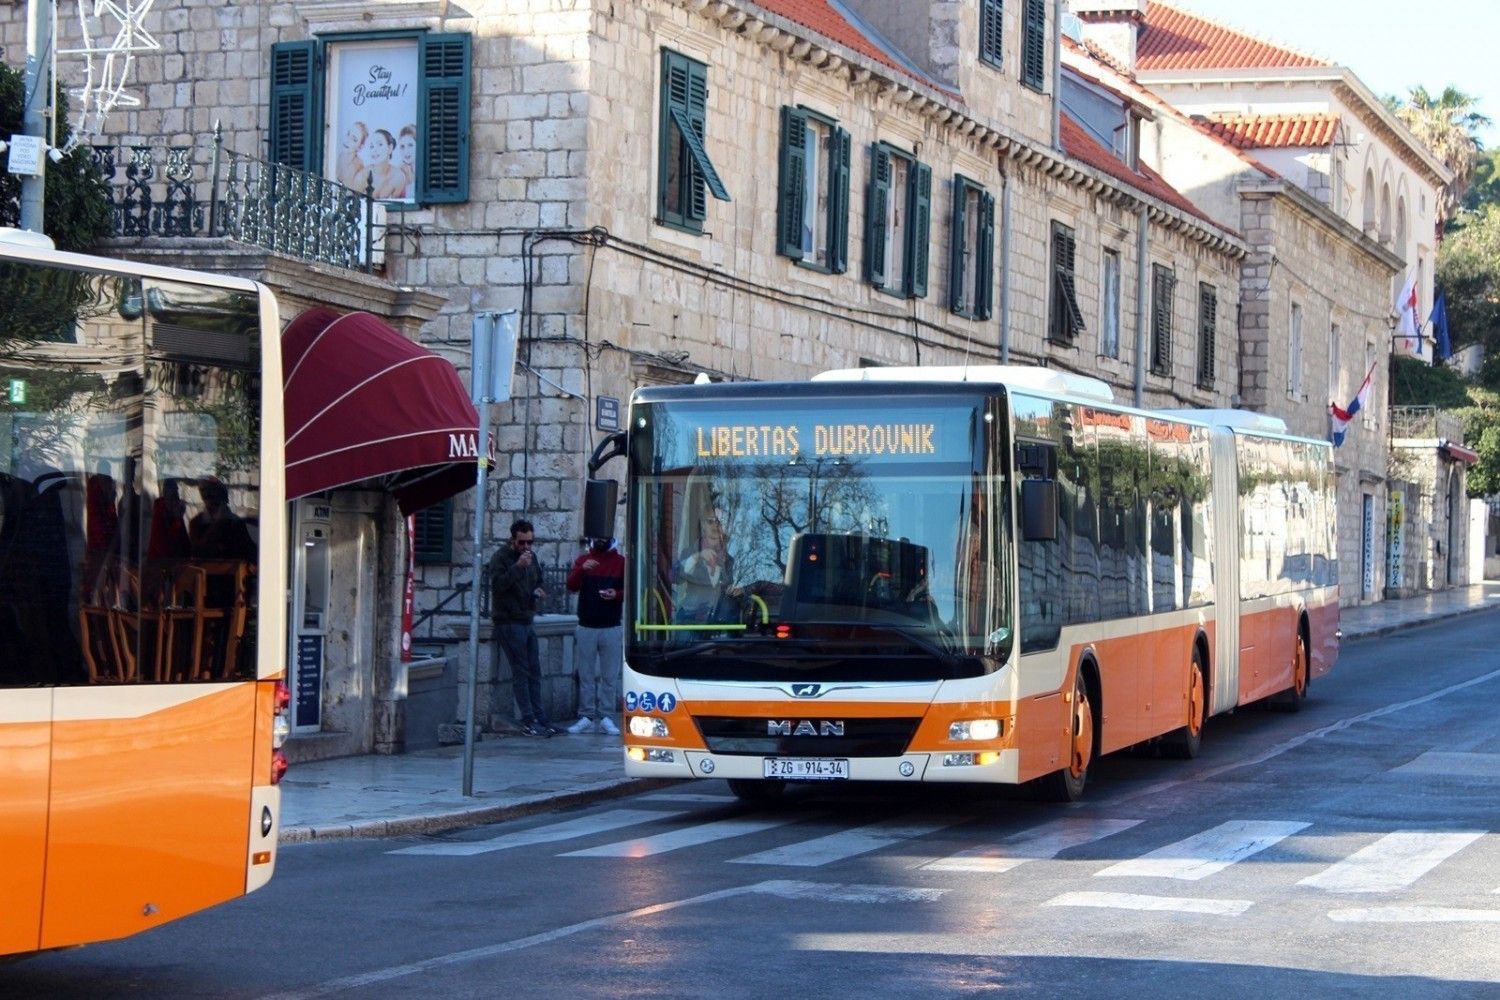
<point x="598" y="578"/>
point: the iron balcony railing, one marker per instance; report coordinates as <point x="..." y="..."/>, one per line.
<point x="173" y="191"/>
<point x="1425" y="422"/>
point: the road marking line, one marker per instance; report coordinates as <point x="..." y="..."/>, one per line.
<point x="1394" y="861"/>
<point x="1413" y="915"/>
<point x="1208" y="852"/>
<point x="582" y="826"/>
<point x="1045" y="841"/>
<point x="689" y="836"/>
<point x="1165" y="904"/>
<point x="837" y="893"/>
<point x="845" y="844"/>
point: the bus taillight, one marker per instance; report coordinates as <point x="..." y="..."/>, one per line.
<point x="281" y="729"/>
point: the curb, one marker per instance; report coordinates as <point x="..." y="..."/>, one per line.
<point x="403" y="826"/>
<point x="1415" y="623"/>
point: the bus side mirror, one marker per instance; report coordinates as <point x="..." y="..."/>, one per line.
<point x="1039" y="510"/>
<point x="599" y="499"/>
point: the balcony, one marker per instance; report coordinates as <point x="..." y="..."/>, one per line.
<point x="210" y="191"/>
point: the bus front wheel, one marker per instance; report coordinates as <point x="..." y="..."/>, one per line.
<point x="756" y="790"/>
<point x="1066" y="785"/>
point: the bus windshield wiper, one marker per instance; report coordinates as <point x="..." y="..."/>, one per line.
<point x="707" y="646"/>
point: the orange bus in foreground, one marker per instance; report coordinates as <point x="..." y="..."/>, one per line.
<point x="142" y="595"/>
<point x="982" y="574"/>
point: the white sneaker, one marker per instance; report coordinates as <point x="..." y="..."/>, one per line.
<point x="607" y="727"/>
<point x="583" y="725"/>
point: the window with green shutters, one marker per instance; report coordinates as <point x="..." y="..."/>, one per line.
<point x="898" y="222"/>
<point x="1208" y="312"/>
<point x="1034" y="45"/>
<point x="812" y="204"/>
<point x="685" y="174"/>
<point x="1163" y="285"/>
<point x="433" y="540"/>
<point x="991" y="32"/>
<point x="971" y="250"/>
<point x="1065" y="318"/>
<point x="444" y="69"/>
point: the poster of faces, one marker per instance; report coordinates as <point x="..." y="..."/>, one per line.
<point x="372" y="118"/>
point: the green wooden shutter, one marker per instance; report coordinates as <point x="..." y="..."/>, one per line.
<point x="1034" y="45"/>
<point x="991" y="32"/>
<point x="920" y="232"/>
<point x="791" y="197"/>
<point x="877" y="196"/>
<point x="957" y="298"/>
<point x="443" y="104"/>
<point x="838" y="207"/>
<point x="984" y="295"/>
<point x="296" y="105"/>
<point x="1208" y="314"/>
<point x="433" y="539"/>
<point x="1161" y="319"/>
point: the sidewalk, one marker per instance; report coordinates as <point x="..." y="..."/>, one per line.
<point x="380" y="796"/>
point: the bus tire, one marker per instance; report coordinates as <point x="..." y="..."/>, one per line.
<point x="756" y="789"/>
<point x="1184" y="743"/>
<point x="1067" y="783"/>
<point x="1292" y="698"/>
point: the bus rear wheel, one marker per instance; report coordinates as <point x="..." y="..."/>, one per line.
<point x="1292" y="698"/>
<point x="1185" y="743"/>
<point x="1066" y="785"/>
<point x="756" y="789"/>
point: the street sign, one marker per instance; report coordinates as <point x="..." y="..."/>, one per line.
<point x="26" y="154"/>
<point x="607" y="413"/>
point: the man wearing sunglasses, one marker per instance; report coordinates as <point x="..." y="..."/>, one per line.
<point x="515" y="587"/>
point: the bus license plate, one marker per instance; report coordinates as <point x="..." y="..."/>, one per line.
<point x="806" y="769"/>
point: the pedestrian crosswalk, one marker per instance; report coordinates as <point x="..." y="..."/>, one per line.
<point x="1138" y="855"/>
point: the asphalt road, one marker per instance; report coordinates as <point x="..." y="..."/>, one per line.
<point x="1347" y="850"/>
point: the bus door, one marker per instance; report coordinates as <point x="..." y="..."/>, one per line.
<point x="312" y="581"/>
<point x="25" y="757"/>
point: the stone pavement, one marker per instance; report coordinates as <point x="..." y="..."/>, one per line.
<point x="379" y="796"/>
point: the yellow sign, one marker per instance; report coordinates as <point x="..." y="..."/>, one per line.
<point x="790" y="440"/>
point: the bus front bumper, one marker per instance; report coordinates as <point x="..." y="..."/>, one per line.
<point x="928" y="767"/>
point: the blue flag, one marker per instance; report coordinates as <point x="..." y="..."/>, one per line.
<point x="1439" y="320"/>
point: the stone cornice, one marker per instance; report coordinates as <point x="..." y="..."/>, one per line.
<point x="1327" y="217"/>
<point x="858" y="71"/>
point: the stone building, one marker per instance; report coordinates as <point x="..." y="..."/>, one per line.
<point x="666" y="188"/>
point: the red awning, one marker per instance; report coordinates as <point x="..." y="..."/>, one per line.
<point x="1459" y="453"/>
<point x="364" y="403"/>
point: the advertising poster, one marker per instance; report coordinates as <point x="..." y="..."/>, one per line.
<point x="372" y="118"/>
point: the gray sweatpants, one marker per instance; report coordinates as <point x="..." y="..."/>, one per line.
<point x="599" y="655"/>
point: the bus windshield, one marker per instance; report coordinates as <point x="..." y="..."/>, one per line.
<point x="866" y="533"/>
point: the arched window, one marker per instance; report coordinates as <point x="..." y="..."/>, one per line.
<point x="1367" y="201"/>
<point x="1385" y="214"/>
<point x="1400" y="244"/>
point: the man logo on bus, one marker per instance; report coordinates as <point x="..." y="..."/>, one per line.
<point x="803" y="728"/>
<point x="806" y="690"/>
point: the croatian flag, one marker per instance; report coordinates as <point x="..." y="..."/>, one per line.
<point x="1408" y="336"/>
<point x="1342" y="417"/>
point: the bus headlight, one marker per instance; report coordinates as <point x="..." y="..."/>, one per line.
<point x="648" y="727"/>
<point x="976" y="729"/>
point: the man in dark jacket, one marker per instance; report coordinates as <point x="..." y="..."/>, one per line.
<point x="515" y="586"/>
<point x="598" y="578"/>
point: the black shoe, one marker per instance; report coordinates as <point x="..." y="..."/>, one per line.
<point x="551" y="729"/>
<point x="536" y="729"/>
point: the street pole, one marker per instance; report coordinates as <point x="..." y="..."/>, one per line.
<point x="492" y="362"/>
<point x="38" y="99"/>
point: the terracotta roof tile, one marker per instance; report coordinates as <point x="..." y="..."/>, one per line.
<point x="1274" y="131"/>
<point x="1078" y="144"/>
<point x="1173" y="39"/>
<point x="826" y="20"/>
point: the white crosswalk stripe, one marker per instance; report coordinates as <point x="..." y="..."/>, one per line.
<point x="1394" y="861"/>
<point x="846" y="843"/>
<point x="1040" y="842"/>
<point x="1161" y="904"/>
<point x="687" y="836"/>
<point x="583" y="826"/>
<point x="1208" y="852"/>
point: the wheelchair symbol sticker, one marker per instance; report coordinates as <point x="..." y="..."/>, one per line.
<point x="648" y="701"/>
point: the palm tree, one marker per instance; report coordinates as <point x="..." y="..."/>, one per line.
<point x="1447" y="126"/>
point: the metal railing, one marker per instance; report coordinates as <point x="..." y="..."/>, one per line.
<point x="1425" y="422"/>
<point x="185" y="191"/>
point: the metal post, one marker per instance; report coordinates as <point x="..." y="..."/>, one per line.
<point x="480" y="496"/>
<point x="213" y="182"/>
<point x="38" y="99"/>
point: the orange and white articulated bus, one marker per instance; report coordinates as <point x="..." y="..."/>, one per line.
<point x="984" y="574"/>
<point x="142" y="595"/>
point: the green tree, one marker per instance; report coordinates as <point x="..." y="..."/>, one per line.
<point x="1468" y="272"/>
<point x="76" y="208"/>
<point x="1416" y="383"/>
<point x="1485" y="189"/>
<point x="1446" y="125"/>
<point x="1482" y="433"/>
